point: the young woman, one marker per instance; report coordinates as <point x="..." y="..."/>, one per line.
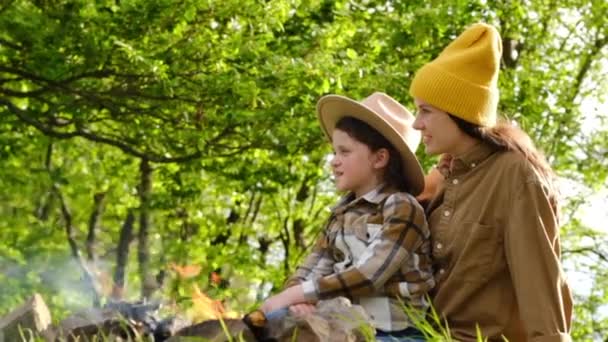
<point x="375" y="248"/>
<point x="493" y="219"/>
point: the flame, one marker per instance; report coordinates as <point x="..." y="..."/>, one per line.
<point x="186" y="271"/>
<point x="203" y="307"/>
<point x="216" y="279"/>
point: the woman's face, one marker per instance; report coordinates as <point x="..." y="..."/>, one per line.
<point x="440" y="134"/>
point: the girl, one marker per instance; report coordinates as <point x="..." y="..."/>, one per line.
<point x="494" y="217"/>
<point x="375" y="248"/>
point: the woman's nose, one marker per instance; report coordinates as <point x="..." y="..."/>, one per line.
<point x="418" y="123"/>
<point x="334" y="162"/>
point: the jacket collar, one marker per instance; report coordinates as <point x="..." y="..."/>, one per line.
<point x="471" y="159"/>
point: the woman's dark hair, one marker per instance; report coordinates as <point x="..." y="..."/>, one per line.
<point x="367" y="135"/>
<point x="508" y="137"/>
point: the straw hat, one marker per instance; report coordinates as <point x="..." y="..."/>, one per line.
<point x="385" y="115"/>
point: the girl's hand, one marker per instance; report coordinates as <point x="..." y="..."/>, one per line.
<point x="302" y="309"/>
<point x="445" y="164"/>
<point x="288" y="297"/>
<point x="435" y="177"/>
<point x="431" y="184"/>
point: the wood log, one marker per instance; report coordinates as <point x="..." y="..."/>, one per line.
<point x="213" y="331"/>
<point x="100" y="322"/>
<point x="32" y="319"/>
<point x="335" y="320"/>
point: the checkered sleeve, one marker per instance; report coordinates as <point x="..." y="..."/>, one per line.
<point x="318" y="263"/>
<point x="403" y="231"/>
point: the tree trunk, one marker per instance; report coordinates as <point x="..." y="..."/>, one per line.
<point x="126" y="236"/>
<point x="143" y="248"/>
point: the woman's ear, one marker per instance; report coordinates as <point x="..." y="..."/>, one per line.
<point x="381" y="158"/>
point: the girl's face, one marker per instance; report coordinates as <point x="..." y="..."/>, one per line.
<point x="356" y="168"/>
<point x="440" y="134"/>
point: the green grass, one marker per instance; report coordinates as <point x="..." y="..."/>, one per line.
<point x="428" y="323"/>
<point x="432" y="326"/>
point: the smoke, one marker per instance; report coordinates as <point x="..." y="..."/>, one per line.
<point x="58" y="278"/>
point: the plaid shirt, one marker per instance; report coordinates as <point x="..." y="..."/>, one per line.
<point x="375" y="250"/>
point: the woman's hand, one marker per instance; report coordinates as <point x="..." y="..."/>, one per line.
<point x="286" y="298"/>
<point x="302" y="309"/>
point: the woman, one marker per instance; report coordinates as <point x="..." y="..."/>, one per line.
<point x="493" y="218"/>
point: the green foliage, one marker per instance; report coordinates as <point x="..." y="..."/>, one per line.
<point x="219" y="97"/>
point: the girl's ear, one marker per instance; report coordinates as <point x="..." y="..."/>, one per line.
<point x="381" y="158"/>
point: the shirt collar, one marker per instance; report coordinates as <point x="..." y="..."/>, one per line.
<point x="471" y="158"/>
<point x="375" y="196"/>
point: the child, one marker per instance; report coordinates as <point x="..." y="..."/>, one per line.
<point x="375" y="248"/>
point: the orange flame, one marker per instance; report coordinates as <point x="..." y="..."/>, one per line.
<point x="186" y="271"/>
<point x="203" y="307"/>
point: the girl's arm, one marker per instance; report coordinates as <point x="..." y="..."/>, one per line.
<point x="289" y="296"/>
<point x="403" y="231"/>
<point x="318" y="263"/>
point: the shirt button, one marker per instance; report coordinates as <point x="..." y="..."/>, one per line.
<point x="455" y="181"/>
<point x="441" y="271"/>
<point x="473" y="164"/>
<point x="439" y="245"/>
<point x="446" y="213"/>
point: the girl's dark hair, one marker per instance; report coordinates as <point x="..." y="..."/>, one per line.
<point x="366" y="134"/>
<point x="508" y="137"/>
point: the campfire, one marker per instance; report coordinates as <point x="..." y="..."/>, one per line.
<point x="207" y="318"/>
<point x="116" y="319"/>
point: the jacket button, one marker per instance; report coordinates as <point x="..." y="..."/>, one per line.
<point x="446" y="213"/>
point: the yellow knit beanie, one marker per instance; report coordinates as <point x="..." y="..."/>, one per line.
<point x="463" y="79"/>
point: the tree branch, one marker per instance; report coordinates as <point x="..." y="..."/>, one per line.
<point x="128" y="149"/>
<point x="69" y="231"/>
<point x="584" y="250"/>
<point x="98" y="200"/>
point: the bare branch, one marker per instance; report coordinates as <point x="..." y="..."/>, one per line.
<point x="585" y="250"/>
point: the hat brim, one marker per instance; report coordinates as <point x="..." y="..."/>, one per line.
<point x="332" y="108"/>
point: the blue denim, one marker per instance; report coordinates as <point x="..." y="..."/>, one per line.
<point x="277" y="314"/>
<point x="407" y="335"/>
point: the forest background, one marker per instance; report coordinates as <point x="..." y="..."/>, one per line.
<point x="141" y="137"/>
